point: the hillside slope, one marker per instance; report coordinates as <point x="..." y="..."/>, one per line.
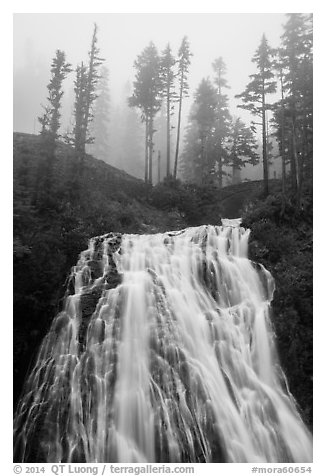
<point x="51" y="228"/>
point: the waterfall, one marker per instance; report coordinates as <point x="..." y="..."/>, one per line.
<point x="163" y="352"/>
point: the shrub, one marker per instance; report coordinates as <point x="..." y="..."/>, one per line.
<point x="281" y="239"/>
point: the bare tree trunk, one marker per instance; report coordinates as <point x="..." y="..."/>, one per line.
<point x="202" y="157"/>
<point x="178" y="130"/>
<point x="296" y="170"/>
<point x="236" y="171"/>
<point x="283" y="141"/>
<point x="265" y="163"/>
<point x="146" y="150"/>
<point x="234" y="174"/>
<point x="168" y="171"/>
<point x="206" y="164"/>
<point x="234" y="168"/>
<point x="283" y="157"/>
<point x="159" y="167"/>
<point x="220" y="171"/>
<point x="90" y="78"/>
<point x="304" y="164"/>
<point x="150" y="158"/>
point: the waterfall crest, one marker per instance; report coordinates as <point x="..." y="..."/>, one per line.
<point x="164" y="352"/>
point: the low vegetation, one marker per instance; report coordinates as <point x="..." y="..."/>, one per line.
<point x="281" y="239"/>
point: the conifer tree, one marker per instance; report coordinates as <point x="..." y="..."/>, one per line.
<point x="296" y="57"/>
<point x="99" y="128"/>
<point x="242" y="146"/>
<point x="189" y="164"/>
<point x="147" y="97"/>
<point x="50" y="121"/>
<point x="91" y="86"/>
<point x="223" y="118"/>
<point x="205" y="114"/>
<point x="85" y="88"/>
<point x="160" y="139"/>
<point x="255" y="95"/>
<point x="80" y="105"/>
<point x="167" y="76"/>
<point x="279" y="120"/>
<point x="183" y="61"/>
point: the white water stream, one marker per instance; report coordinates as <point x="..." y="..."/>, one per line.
<point x="174" y="364"/>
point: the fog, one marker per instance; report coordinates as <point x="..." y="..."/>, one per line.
<point x="121" y="37"/>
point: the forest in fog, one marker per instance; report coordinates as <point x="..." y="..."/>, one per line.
<point x="179" y="146"/>
<point x="150" y="134"/>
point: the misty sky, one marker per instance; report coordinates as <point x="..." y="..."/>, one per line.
<point x="121" y="37"/>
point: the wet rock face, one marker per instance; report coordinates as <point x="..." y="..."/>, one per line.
<point x="103" y="275"/>
<point x="88" y="302"/>
<point x="67" y="351"/>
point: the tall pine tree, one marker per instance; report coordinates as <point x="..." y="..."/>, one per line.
<point x="80" y="104"/>
<point x="85" y="87"/>
<point x="50" y="121"/>
<point x="280" y="121"/>
<point x="205" y="115"/>
<point x="297" y="61"/>
<point x="167" y="83"/>
<point x="255" y="95"/>
<point x="147" y="97"/>
<point x="223" y="118"/>
<point x="93" y="77"/>
<point x="189" y="165"/>
<point x="183" y="61"/>
<point x="100" y="126"/>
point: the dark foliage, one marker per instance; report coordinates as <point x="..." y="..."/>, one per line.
<point x="281" y="239"/>
<point x="196" y="204"/>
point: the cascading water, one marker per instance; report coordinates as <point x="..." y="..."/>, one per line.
<point x="163" y="353"/>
